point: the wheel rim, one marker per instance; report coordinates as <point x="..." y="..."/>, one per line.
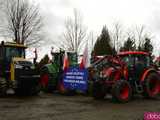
<point x="44" y="80"/>
<point x="154" y="87"/>
<point x="124" y="92"/>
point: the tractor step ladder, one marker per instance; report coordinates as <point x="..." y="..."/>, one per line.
<point x="139" y="87"/>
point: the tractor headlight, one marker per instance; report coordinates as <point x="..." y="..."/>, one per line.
<point x="18" y="66"/>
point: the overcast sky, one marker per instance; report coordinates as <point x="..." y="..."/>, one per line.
<point x="97" y="13"/>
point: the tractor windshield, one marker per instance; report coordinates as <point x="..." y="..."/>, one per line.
<point x="14" y="52"/>
<point x="127" y="59"/>
<point x="133" y="59"/>
<point x="142" y="59"/>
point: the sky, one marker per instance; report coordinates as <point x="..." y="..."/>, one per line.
<point x="97" y="13"/>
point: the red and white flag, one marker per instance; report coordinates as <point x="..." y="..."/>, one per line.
<point x="84" y="61"/>
<point x="65" y="62"/>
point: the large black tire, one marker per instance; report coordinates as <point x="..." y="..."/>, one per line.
<point x="121" y="91"/>
<point x="3" y="87"/>
<point x="98" y="91"/>
<point x="151" y="86"/>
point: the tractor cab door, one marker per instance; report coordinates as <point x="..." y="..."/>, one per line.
<point x="136" y="64"/>
<point x="142" y="62"/>
<point x="4" y="63"/>
<point x="129" y="61"/>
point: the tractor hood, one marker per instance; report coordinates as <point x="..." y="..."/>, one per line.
<point x="21" y="62"/>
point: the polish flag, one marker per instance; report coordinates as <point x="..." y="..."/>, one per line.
<point x="84" y="60"/>
<point x="65" y="62"/>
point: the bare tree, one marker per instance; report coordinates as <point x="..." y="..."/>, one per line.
<point x="91" y="40"/>
<point x="117" y="35"/>
<point x="130" y="33"/>
<point x="23" y="21"/>
<point x="140" y="34"/>
<point x="75" y="33"/>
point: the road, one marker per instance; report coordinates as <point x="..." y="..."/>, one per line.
<point x="60" y="107"/>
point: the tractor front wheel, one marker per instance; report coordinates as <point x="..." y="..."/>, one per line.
<point x="121" y="91"/>
<point x="151" y="86"/>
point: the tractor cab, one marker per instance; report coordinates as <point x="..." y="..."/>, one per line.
<point x="17" y="72"/>
<point x="137" y="62"/>
<point x="9" y="51"/>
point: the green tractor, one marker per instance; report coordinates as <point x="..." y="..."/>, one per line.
<point x="17" y="75"/>
<point x="52" y="73"/>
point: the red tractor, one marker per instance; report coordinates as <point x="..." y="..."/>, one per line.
<point x="124" y="75"/>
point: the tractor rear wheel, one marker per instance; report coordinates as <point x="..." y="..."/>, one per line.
<point x="47" y="80"/>
<point x="98" y="91"/>
<point x="44" y="81"/>
<point x="151" y="86"/>
<point x="121" y="91"/>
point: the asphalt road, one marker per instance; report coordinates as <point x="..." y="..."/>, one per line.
<point x="60" y="107"/>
